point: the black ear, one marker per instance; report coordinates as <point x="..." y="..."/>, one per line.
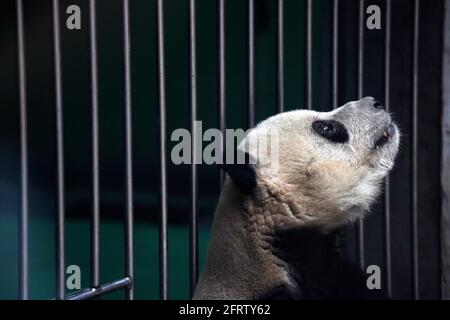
<point x="242" y="174"/>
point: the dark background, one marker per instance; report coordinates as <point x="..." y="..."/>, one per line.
<point x="75" y="64"/>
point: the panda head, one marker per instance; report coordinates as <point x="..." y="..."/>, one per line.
<point x="320" y="169"/>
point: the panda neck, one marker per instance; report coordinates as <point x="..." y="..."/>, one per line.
<point x="245" y="263"/>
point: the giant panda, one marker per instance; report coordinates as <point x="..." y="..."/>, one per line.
<point x="275" y="233"/>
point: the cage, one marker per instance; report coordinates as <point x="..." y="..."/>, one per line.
<point x="88" y="111"/>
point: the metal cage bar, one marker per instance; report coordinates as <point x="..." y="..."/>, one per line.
<point x="163" y="243"/>
<point x="414" y="143"/>
<point x="222" y="99"/>
<point x="193" y="228"/>
<point x="308" y="60"/>
<point x="23" y="221"/>
<point x="387" y="189"/>
<point x="251" y="63"/>
<point x="60" y="218"/>
<point x="95" y="215"/>
<point x="360" y="233"/>
<point x="335" y="48"/>
<point x="129" y="257"/>
<point x="445" y="158"/>
<point x="91" y="293"/>
<point x="280" y="56"/>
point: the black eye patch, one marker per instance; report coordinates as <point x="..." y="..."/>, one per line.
<point x="331" y="130"/>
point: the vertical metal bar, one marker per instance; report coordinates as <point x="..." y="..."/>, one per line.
<point x="335" y="79"/>
<point x="280" y="56"/>
<point x="23" y="228"/>
<point x="387" y="198"/>
<point x="414" y="127"/>
<point x="193" y="232"/>
<point x="361" y="25"/>
<point x="60" y="231"/>
<point x="129" y="259"/>
<point x="251" y="64"/>
<point x="95" y="218"/>
<point x="308" y="66"/>
<point x="360" y="234"/>
<point x="222" y="76"/>
<point x="445" y="157"/>
<point x="163" y="243"/>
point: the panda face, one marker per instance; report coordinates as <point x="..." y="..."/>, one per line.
<point x="329" y="166"/>
<point x="360" y="133"/>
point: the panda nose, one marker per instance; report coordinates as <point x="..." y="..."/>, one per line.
<point x="377" y="105"/>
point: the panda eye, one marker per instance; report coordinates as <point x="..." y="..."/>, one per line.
<point x="331" y="130"/>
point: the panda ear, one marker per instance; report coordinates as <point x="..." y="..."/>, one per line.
<point x="242" y="174"/>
